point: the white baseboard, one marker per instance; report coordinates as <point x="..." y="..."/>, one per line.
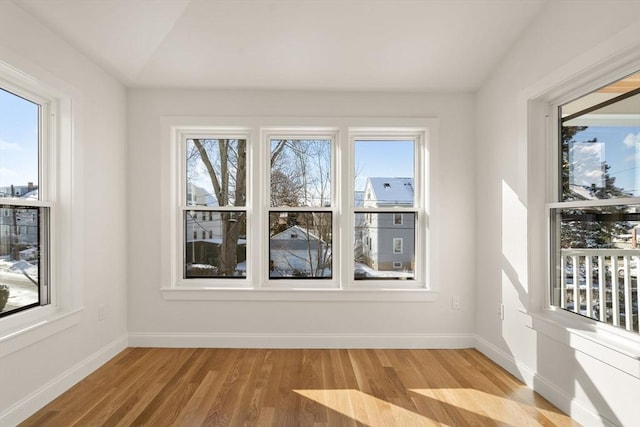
<point x="27" y="406"/>
<point x="543" y="386"/>
<point x="222" y="340"/>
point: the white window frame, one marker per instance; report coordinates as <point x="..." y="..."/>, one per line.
<point x="297" y="133"/>
<point x="180" y="230"/>
<point x="60" y="160"/>
<point x="423" y="169"/>
<point x="257" y="286"/>
<point x="554" y="197"/>
<point x="611" y="345"/>
<point x="398" y="249"/>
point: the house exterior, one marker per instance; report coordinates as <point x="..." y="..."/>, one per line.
<point x="296" y="252"/>
<point x="19" y="225"/>
<point x="204" y="236"/>
<point x="388" y="239"/>
<point x="18" y="190"/>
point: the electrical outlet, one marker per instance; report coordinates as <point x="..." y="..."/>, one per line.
<point x="455" y="302"/>
<point x="101" y="312"/>
<point x="501" y="311"/>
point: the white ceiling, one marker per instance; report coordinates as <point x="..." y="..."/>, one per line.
<point x="388" y="45"/>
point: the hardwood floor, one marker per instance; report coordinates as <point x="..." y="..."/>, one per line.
<point x="264" y="387"/>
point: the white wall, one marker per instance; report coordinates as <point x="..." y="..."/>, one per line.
<point x="150" y="314"/>
<point x="36" y="373"/>
<point x="566" y="37"/>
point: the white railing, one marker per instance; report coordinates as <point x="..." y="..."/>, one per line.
<point x="601" y="284"/>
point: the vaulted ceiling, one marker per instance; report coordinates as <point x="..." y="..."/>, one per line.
<point x="387" y="45"/>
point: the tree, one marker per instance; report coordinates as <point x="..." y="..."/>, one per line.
<point x="301" y="177"/>
<point x="228" y="178"/>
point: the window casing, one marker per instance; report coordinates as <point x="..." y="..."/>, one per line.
<point x="213" y="205"/>
<point x="319" y="220"/>
<point x="595" y="213"/>
<point x="24" y="224"/>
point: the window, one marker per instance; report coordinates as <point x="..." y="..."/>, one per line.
<point x="215" y="188"/>
<point x="595" y="216"/>
<point x="327" y="207"/>
<point x="397" y="245"/>
<point x="24" y="207"/>
<point x="300" y="240"/>
<point x="385" y="171"/>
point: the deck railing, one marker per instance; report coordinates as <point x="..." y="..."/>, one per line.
<point x="601" y="284"/>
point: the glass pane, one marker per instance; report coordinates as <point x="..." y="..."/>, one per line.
<point x="216" y="172"/>
<point x="384" y="249"/>
<point x="597" y="262"/>
<point x="215" y="244"/>
<point x="20" y="244"/>
<point x="19" y="140"/>
<point x="300" y="245"/>
<point x="600" y="148"/>
<point x="301" y="172"/>
<point x="384" y="174"/>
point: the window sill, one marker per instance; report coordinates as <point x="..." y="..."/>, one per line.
<point x="313" y="295"/>
<point x="19" y="332"/>
<point x="617" y="349"/>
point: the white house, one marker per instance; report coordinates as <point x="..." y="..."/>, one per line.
<point x="479" y="82"/>
<point x="296" y="252"/>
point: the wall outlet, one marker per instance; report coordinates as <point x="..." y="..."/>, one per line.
<point x="455" y="302"/>
<point x="101" y="312"/>
<point x="501" y="311"/>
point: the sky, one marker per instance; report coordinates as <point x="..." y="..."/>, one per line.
<point x="18" y="140"/>
<point x="392" y="159"/>
<point x="620" y="148"/>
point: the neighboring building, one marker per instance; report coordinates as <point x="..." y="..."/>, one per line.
<point x="18" y="190"/>
<point x="296" y="252"/>
<point x="204" y="235"/>
<point x="19" y="225"/>
<point x="388" y="239"/>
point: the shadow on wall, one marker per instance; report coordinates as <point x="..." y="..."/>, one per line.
<point x="515" y="256"/>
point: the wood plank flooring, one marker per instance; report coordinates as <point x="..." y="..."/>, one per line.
<point x="266" y="387"/>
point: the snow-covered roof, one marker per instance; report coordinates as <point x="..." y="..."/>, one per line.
<point x="298" y="231"/>
<point x="199" y="196"/>
<point x="33" y="194"/>
<point x="390" y="191"/>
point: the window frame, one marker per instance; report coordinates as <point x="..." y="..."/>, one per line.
<point x="398" y="215"/>
<point x="554" y="198"/>
<point x="184" y="207"/>
<point x="297" y="133"/>
<point x="46" y="177"/>
<point x="423" y="235"/>
<point x="60" y="160"/>
<point x="398" y="249"/>
<point x="539" y="151"/>
<point x="342" y="285"/>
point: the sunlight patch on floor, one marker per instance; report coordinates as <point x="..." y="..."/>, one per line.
<point x="501" y="409"/>
<point x="367" y="409"/>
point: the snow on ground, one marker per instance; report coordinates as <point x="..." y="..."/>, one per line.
<point x="21" y="290"/>
<point x="364" y="270"/>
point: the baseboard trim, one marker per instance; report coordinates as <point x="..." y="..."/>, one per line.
<point x="545" y="387"/>
<point x="29" y="405"/>
<point x="221" y="340"/>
